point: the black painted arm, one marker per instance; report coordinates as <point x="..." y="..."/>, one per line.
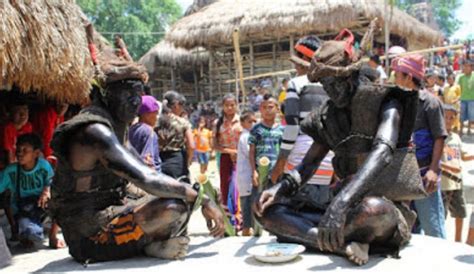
<point x="379" y="157"/>
<point x="123" y="163"/>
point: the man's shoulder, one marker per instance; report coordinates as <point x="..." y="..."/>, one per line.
<point x="429" y="100"/>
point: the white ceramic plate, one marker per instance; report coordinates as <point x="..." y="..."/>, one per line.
<point x="276" y="252"/>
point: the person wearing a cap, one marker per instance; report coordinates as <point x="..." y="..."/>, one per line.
<point x="142" y="135"/>
<point x="302" y="97"/>
<point x="466" y="82"/>
<point x="429" y="135"/>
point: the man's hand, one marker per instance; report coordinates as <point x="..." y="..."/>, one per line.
<point x="431" y="181"/>
<point x="44" y="198"/>
<point x="266" y="199"/>
<point x="255" y="178"/>
<point x="214" y="219"/>
<point x="331" y="230"/>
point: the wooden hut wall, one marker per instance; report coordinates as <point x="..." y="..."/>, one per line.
<point x="191" y="81"/>
<point x="259" y="58"/>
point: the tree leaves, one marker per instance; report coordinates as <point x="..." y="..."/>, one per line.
<point x="142" y="23"/>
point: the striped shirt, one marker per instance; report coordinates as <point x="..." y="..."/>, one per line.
<point x="301" y="98"/>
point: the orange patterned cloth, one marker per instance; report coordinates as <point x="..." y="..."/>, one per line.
<point x="229" y="132"/>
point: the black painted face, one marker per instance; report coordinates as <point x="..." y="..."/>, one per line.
<point x="124" y="102"/>
<point x="340" y="91"/>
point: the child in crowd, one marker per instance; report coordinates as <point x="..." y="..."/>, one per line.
<point x="18" y="125"/>
<point x="451" y="175"/>
<point x="29" y="181"/>
<point x="265" y="137"/>
<point x="203" y="141"/>
<point x="244" y="175"/>
<point x="226" y="137"/>
<point x="451" y="96"/>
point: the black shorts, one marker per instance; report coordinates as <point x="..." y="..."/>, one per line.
<point x="121" y="238"/>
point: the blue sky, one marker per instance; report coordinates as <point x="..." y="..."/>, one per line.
<point x="184" y="3"/>
<point x="464" y="13"/>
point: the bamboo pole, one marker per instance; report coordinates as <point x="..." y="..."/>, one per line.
<point x="252" y="59"/>
<point x="428" y="50"/>
<point x="262" y="75"/>
<point x="387" y="35"/>
<point x="238" y="62"/>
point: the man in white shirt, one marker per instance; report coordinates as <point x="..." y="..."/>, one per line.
<point x="374" y="63"/>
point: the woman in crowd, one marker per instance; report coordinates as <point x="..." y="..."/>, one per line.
<point x="175" y="137"/>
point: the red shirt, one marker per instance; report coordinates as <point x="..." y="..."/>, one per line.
<point x="10" y="134"/>
<point x="44" y="123"/>
<point x="456" y="63"/>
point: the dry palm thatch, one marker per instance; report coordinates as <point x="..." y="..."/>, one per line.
<point x="197" y="5"/>
<point x="271" y="19"/>
<point x="43" y="48"/>
<point x="166" y="54"/>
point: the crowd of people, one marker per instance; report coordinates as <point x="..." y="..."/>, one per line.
<point x="257" y="145"/>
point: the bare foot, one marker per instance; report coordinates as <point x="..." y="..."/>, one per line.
<point x="172" y="249"/>
<point x="56" y="243"/>
<point x="358" y="253"/>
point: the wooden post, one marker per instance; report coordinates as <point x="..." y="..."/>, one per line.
<point x="274" y="61"/>
<point x="229" y="72"/>
<point x="252" y="59"/>
<point x="238" y="62"/>
<point x="173" y="79"/>
<point x="292" y="45"/>
<point x="211" y="73"/>
<point x="196" y="86"/>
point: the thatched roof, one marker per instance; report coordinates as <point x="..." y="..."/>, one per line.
<point x="166" y="54"/>
<point x="197" y="5"/>
<point x="43" y="48"/>
<point x="271" y="19"/>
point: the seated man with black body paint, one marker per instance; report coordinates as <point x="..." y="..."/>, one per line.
<point x="368" y="127"/>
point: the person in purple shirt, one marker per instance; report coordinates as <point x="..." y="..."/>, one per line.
<point x="142" y="136"/>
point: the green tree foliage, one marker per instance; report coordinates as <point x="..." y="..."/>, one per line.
<point x="142" y="23"/>
<point x="444" y="12"/>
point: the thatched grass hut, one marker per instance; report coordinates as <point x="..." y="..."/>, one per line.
<point x="173" y="68"/>
<point x="270" y="19"/>
<point x="269" y="28"/>
<point x="43" y="49"/>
